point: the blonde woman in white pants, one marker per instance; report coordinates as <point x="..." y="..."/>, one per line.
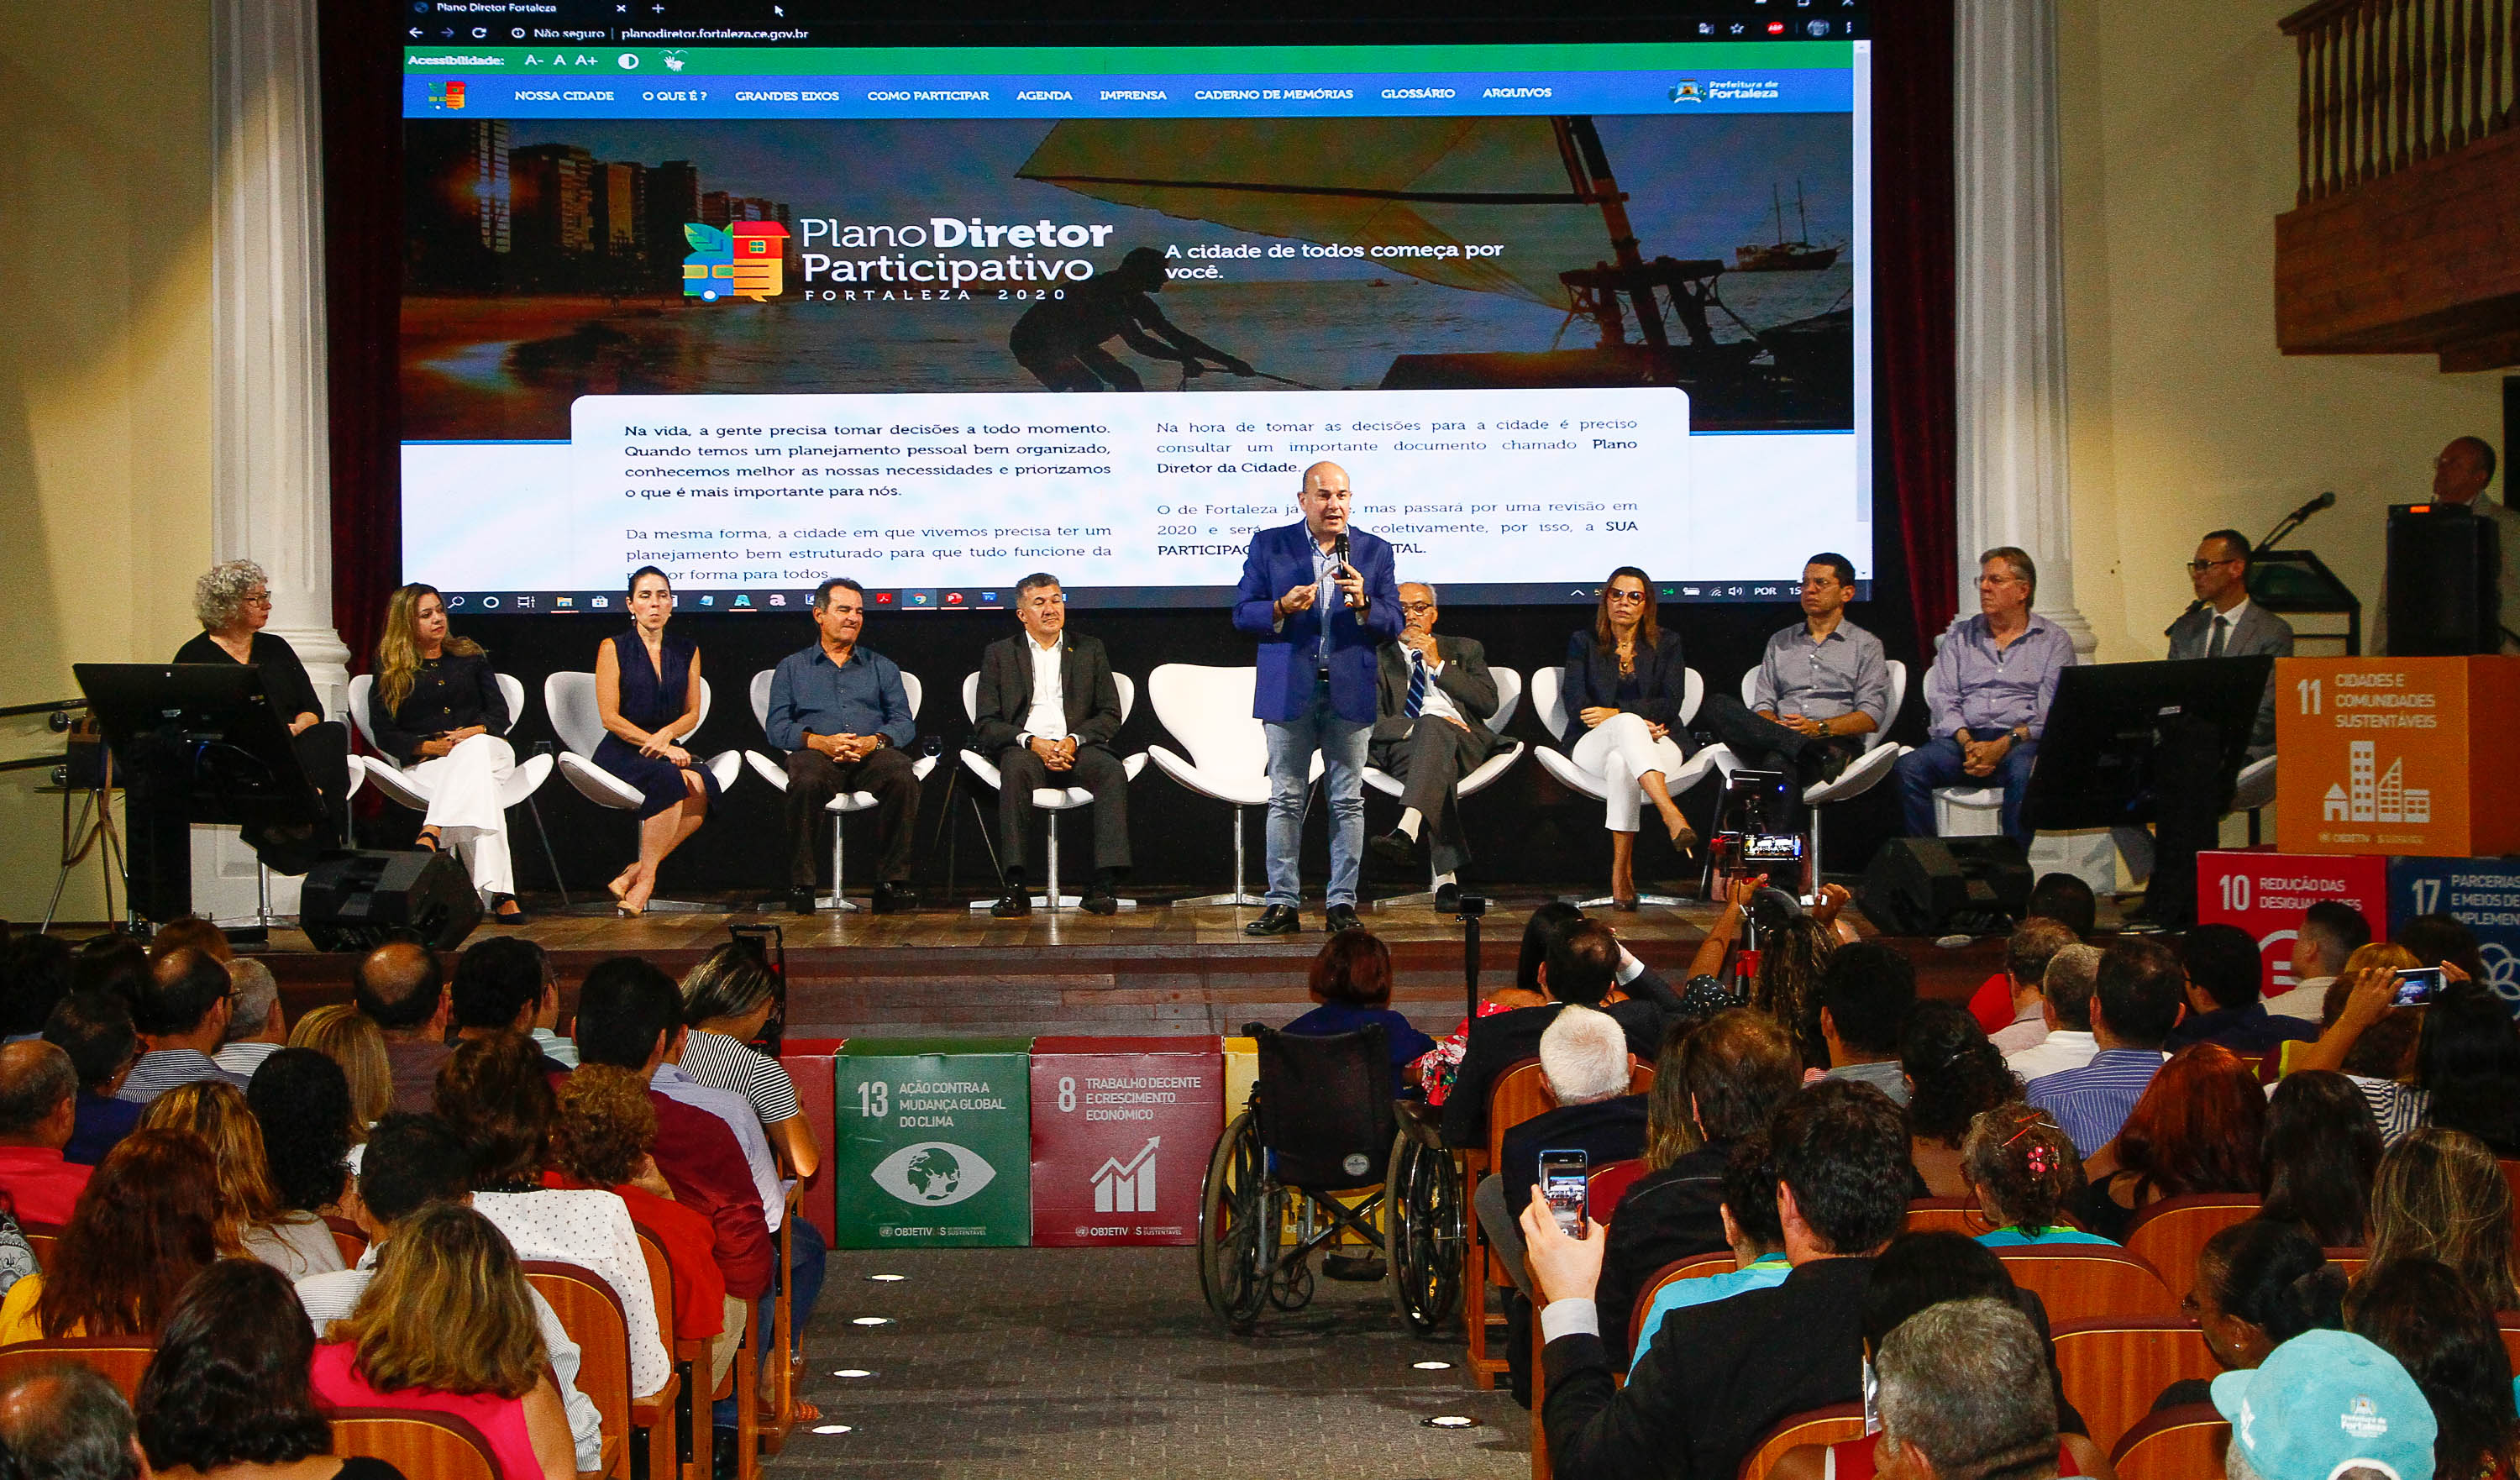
<point x="437" y="712"/>
<point x="1625" y="681"/>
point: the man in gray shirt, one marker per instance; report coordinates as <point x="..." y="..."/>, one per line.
<point x="1988" y="693"/>
<point x="1821" y="687"/>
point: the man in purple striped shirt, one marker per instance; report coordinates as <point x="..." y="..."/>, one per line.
<point x="2135" y="1005"/>
<point x="1987" y="694"/>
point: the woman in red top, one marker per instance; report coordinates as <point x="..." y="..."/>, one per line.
<point x="447" y="1328"/>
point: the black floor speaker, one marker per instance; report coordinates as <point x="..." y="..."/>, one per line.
<point x="1946" y="885"/>
<point x="354" y="901"/>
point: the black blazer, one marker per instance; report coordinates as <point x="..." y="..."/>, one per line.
<point x="1464" y="681"/>
<point x="1085" y="687"/>
<point x="450" y="694"/>
<point x="284" y="678"/>
<point x="1592" y="680"/>
<point x="1501" y="1039"/>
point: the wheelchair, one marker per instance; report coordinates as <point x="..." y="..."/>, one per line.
<point x="1323" y="1127"/>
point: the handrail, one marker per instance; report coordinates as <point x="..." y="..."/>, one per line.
<point x="2387" y="84"/>
<point x="54" y="706"/>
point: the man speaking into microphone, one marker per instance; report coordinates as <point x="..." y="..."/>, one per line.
<point x="1321" y="599"/>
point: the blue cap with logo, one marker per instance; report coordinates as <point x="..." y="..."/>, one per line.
<point x="2324" y="1402"/>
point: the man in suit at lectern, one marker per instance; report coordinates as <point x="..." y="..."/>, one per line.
<point x="1433" y="699"/>
<point x="1046" y="713"/>
<point x="1321" y="599"/>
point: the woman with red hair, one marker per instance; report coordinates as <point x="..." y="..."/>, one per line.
<point x="1352" y="981"/>
<point x="2197" y="1129"/>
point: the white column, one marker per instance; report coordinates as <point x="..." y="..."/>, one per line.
<point x="272" y="464"/>
<point x="2011" y="301"/>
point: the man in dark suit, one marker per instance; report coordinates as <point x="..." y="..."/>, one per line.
<point x="1432" y="700"/>
<point x="1046" y="712"/>
<point x="1320" y="598"/>
<point x="1582" y="967"/>
<point x="1715" y="1377"/>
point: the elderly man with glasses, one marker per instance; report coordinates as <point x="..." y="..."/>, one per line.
<point x="1823" y="685"/>
<point x="1988" y="693"/>
<point x="1433" y="699"/>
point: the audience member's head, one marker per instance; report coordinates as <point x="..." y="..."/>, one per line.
<point x="1732" y="1072"/>
<point x="2198" y="1126"/>
<point x="400" y="986"/>
<point x="2073" y="974"/>
<point x="1584" y="1056"/>
<point x="2024" y="1168"/>
<point x="34" y="974"/>
<point x="2419" y="1312"/>
<point x="1954" y="1073"/>
<point x="1842" y="1154"/>
<point x="1792" y="960"/>
<point x="146" y="1224"/>
<point x="2029" y="950"/>
<point x="301" y="1100"/>
<point x="186" y="998"/>
<point x="68" y="1422"/>
<point x="2330" y="932"/>
<point x="1750" y="1206"/>
<point x="2259" y="1284"/>
<point x="2467" y="1057"/>
<point x="116" y="964"/>
<point x="628" y="1014"/>
<point x="351" y="1039"/>
<point x="1922" y="1270"/>
<point x="1864" y="997"/>
<point x="1353" y="969"/>
<point x="734" y="988"/>
<point x="501" y="983"/>
<point x="1582" y="964"/>
<point x="2321" y="1151"/>
<point x="191" y="931"/>
<point x="254" y="1004"/>
<point x="606" y="1125"/>
<point x="448" y="1309"/>
<point x="38" y="1094"/>
<point x="227" y="1385"/>
<point x="1961" y="1397"/>
<point x="2224" y="969"/>
<point x="2326" y="1405"/>
<point x="493" y="1095"/>
<point x="216" y="1112"/>
<point x="1547" y="923"/>
<point x="2065" y="899"/>
<point x="2137" y="993"/>
<point x="2439" y="1194"/>
<point x="411" y="1162"/>
<point x="2438" y="938"/>
<point x="94" y="1028"/>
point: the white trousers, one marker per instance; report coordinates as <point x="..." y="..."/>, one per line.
<point x="464" y="806"/>
<point x="1619" y="750"/>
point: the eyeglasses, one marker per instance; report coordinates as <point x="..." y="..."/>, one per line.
<point x="2199" y="568"/>
<point x="1825" y="583"/>
<point x="1412" y="608"/>
<point x="1626" y="595"/>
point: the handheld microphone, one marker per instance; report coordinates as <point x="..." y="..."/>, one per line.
<point x="1338" y="549"/>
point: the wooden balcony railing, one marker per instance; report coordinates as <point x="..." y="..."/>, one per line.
<point x="2387" y="83"/>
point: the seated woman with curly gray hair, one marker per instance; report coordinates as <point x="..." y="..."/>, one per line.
<point x="233" y="599"/>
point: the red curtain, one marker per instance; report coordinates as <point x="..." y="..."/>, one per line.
<point x="361" y="55"/>
<point x="1913" y="250"/>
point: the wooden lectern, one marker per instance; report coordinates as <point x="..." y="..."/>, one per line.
<point x="2411" y="756"/>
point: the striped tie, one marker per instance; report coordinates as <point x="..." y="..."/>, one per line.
<point x="1416" y="684"/>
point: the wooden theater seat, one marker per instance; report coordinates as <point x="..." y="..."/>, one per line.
<point x="2114" y="1367"/>
<point x="350" y="1238"/>
<point x="657" y="1417"/>
<point x="1834" y="1424"/>
<point x="2170" y="1235"/>
<point x="2184" y="1443"/>
<point x="2079" y="1282"/>
<point x="590" y="1311"/>
<point x="1696" y="1267"/>
<point x="2351" y="1261"/>
<point x="120" y="1359"/>
<point x="1956" y="1215"/>
<point x="434" y="1445"/>
<point x="41" y="1237"/>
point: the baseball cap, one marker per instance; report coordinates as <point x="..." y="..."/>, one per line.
<point x="2326" y="1401"/>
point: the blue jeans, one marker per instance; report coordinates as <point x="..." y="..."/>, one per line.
<point x="806" y="1277"/>
<point x="1937" y="763"/>
<point x="1342" y="744"/>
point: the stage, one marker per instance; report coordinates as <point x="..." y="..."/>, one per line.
<point x="1152" y="971"/>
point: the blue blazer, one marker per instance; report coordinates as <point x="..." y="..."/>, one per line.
<point x="1278" y="561"/>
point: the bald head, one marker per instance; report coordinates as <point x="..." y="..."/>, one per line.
<point x="2462" y="470"/>
<point x="69" y="1420"/>
<point x="1324" y="499"/>
<point x="400" y="986"/>
<point x="36" y="1086"/>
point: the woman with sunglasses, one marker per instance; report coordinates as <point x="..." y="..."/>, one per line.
<point x="1625" y="681"/>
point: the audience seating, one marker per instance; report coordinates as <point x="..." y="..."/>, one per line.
<point x="1051" y="801"/>
<point x="433" y="1445"/>
<point x="1518" y="1094"/>
<point x="1955" y="1215"/>
<point x="2170" y="1235"/>
<point x="1608" y="1182"/>
<point x="1208" y="711"/>
<point x="1509" y="688"/>
<point x="2509" y="1321"/>
<point x="2080" y="1281"/>
<point x="665" y="1418"/>
<point x="2184" y="1443"/>
<point x="1549" y="702"/>
<point x="2351" y="1261"/>
<point x="774" y="770"/>
<point x="1696" y="1267"/>
<point x="1834" y="1424"/>
<point x="590" y="1311"/>
<point x="121" y="1358"/>
<point x="349" y="1238"/>
<point x="780" y="1417"/>
<point x="40" y="1239"/>
<point x="2114" y="1367"/>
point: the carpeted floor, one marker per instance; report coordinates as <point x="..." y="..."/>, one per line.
<point x="1030" y="1364"/>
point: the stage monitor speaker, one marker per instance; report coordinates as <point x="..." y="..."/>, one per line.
<point x="2443" y="600"/>
<point x="353" y="901"/>
<point x="1943" y="885"/>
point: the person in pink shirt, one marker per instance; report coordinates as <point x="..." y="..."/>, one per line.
<point x="38" y="1107"/>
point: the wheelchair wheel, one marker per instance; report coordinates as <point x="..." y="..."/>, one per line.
<point x="1424" y="1228"/>
<point x="1291" y="1284"/>
<point x="1237" y="1231"/>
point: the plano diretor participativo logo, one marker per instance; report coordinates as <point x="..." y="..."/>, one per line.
<point x="447" y="95"/>
<point x="743" y="260"/>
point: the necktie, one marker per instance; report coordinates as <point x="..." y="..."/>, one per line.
<point x="2222" y="627"/>
<point x="1416" y="684"/>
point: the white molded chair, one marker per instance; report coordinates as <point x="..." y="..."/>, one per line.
<point x="1865" y="772"/>
<point x="416" y="792"/>
<point x="2256" y="787"/>
<point x="1208" y="710"/>
<point x="1051" y="800"/>
<point x="569" y="699"/>
<point x="1549" y="702"/>
<point x="774" y="770"/>
<point x="1508" y="687"/>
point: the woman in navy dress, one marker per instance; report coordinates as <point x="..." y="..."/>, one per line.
<point x="647" y="688"/>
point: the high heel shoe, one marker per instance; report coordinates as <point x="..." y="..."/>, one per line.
<point x="620" y="884"/>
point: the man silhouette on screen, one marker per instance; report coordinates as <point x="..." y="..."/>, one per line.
<point x="1060" y="340"/>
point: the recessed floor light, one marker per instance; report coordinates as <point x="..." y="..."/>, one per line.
<point x="1432" y="1367"/>
<point x="871" y="1320"/>
<point x="830" y="1429"/>
<point x="886" y="1278"/>
<point x="853" y="1371"/>
<point x="1451" y="1420"/>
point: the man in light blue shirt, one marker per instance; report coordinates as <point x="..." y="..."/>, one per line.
<point x="1750" y="1224"/>
<point x="2135" y="1003"/>
<point x="1820" y="687"/>
<point x="1988" y="693"/>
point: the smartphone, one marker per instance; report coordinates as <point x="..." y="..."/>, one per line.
<point x="2416" y="986"/>
<point x="1561" y="1182"/>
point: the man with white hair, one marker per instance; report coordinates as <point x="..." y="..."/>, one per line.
<point x="258" y="1029"/>
<point x="1963" y="1395"/>
<point x="1584" y="1056"/>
